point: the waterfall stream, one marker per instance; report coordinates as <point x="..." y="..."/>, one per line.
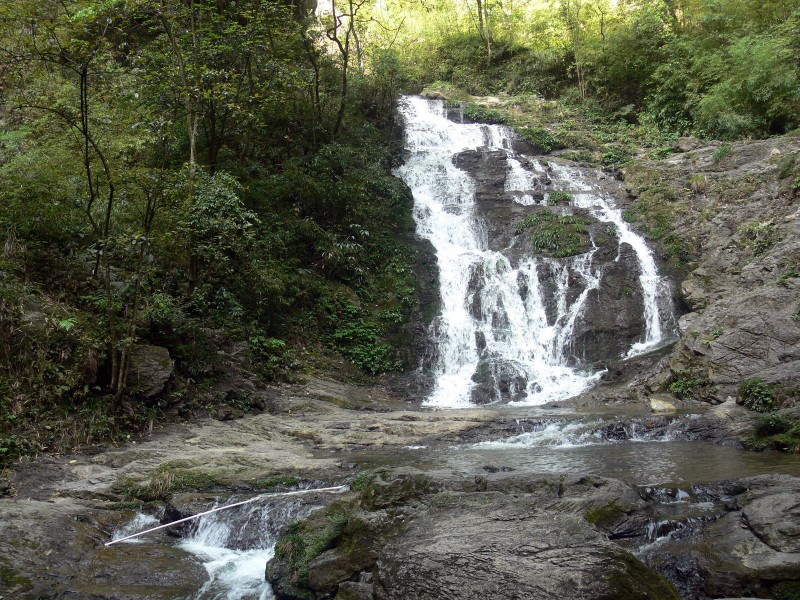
<point x="233" y="545"/>
<point x="494" y="323"/>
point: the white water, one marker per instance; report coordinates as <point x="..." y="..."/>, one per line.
<point x="493" y="315"/>
<point x="234" y="546"/>
<point x="654" y="287"/>
<point x="574" y="434"/>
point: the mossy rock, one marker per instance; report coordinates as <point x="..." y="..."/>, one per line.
<point x="605" y="516"/>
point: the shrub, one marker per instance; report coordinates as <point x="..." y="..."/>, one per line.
<point x="541" y="138"/>
<point x="758" y="237"/>
<point x="757" y="395"/>
<point x="482" y="114"/>
<point x="560" y="197"/>
<point x="721" y="153"/>
<point x="561" y="236"/>
<point x="686" y="385"/>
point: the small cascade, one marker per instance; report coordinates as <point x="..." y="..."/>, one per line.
<point x="521" y="183"/>
<point x="233" y="545"/>
<point x="507" y="324"/>
<point x="563" y="433"/>
<point x="654" y="287"/>
<point x="140" y="522"/>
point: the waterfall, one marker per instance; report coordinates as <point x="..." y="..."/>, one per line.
<point x="654" y="287"/>
<point x="494" y="334"/>
<point x="234" y="545"/>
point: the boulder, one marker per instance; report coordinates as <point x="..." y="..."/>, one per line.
<point x="354" y="590"/>
<point x="613" y="316"/>
<point x="498" y="381"/>
<point x="150" y="369"/>
<point x="661" y="403"/>
<point x="492" y="546"/>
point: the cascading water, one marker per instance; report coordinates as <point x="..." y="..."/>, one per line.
<point x="494" y="324"/>
<point x="654" y="287"/>
<point x="233" y="545"/>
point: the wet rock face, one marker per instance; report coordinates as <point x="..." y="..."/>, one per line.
<point x="722" y="540"/>
<point x="612" y="319"/>
<point x="498" y="380"/>
<point x="438" y="535"/>
<point x="484" y="546"/>
<point x="742" y="286"/>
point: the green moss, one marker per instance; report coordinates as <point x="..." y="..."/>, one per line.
<point x="306" y="540"/>
<point x="167" y="480"/>
<point x="12" y="580"/>
<point x="786" y="166"/>
<point x="633" y="580"/>
<point x="604" y="515"/>
<point x="276" y="481"/>
<point x="558" y="235"/>
<point x="360" y="483"/>
<point x="774" y="432"/>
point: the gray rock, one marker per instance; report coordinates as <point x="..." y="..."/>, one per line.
<point x="775" y="519"/>
<point x="498" y="381"/>
<point x="150" y="369"/>
<point x="353" y="590"/>
<point x="612" y="319"/>
<point x="687" y="144"/>
<point x="495" y="547"/>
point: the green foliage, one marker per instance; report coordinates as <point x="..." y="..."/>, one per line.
<point x="481" y="114"/>
<point x="721" y="153"/>
<point x="786" y="590"/>
<point x="238" y="211"/>
<point x="271" y="355"/>
<point x="757" y="395"/>
<point x="758" y="237"/>
<point x="360" y="340"/>
<point x="615" y="155"/>
<point x="776" y="432"/>
<point x="604" y="516"/>
<point x="756" y="90"/>
<point x="540" y="138"/>
<point x="558" y="235"/>
<point x="558" y="197"/>
<point x="688" y="385"/>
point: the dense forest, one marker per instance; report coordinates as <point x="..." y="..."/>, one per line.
<point x="200" y="175"/>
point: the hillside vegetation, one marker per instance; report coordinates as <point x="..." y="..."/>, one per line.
<point x="213" y="179"/>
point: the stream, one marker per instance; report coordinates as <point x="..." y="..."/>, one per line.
<point x="513" y="318"/>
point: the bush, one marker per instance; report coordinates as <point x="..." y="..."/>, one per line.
<point x="777" y="433"/>
<point x="558" y="197"/>
<point x="757" y="395"/>
<point x="560" y="236"/>
<point x="481" y="114"/>
<point x="687" y="385"/>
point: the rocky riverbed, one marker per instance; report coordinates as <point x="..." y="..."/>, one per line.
<point x="487" y="524"/>
<point x="637" y="488"/>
